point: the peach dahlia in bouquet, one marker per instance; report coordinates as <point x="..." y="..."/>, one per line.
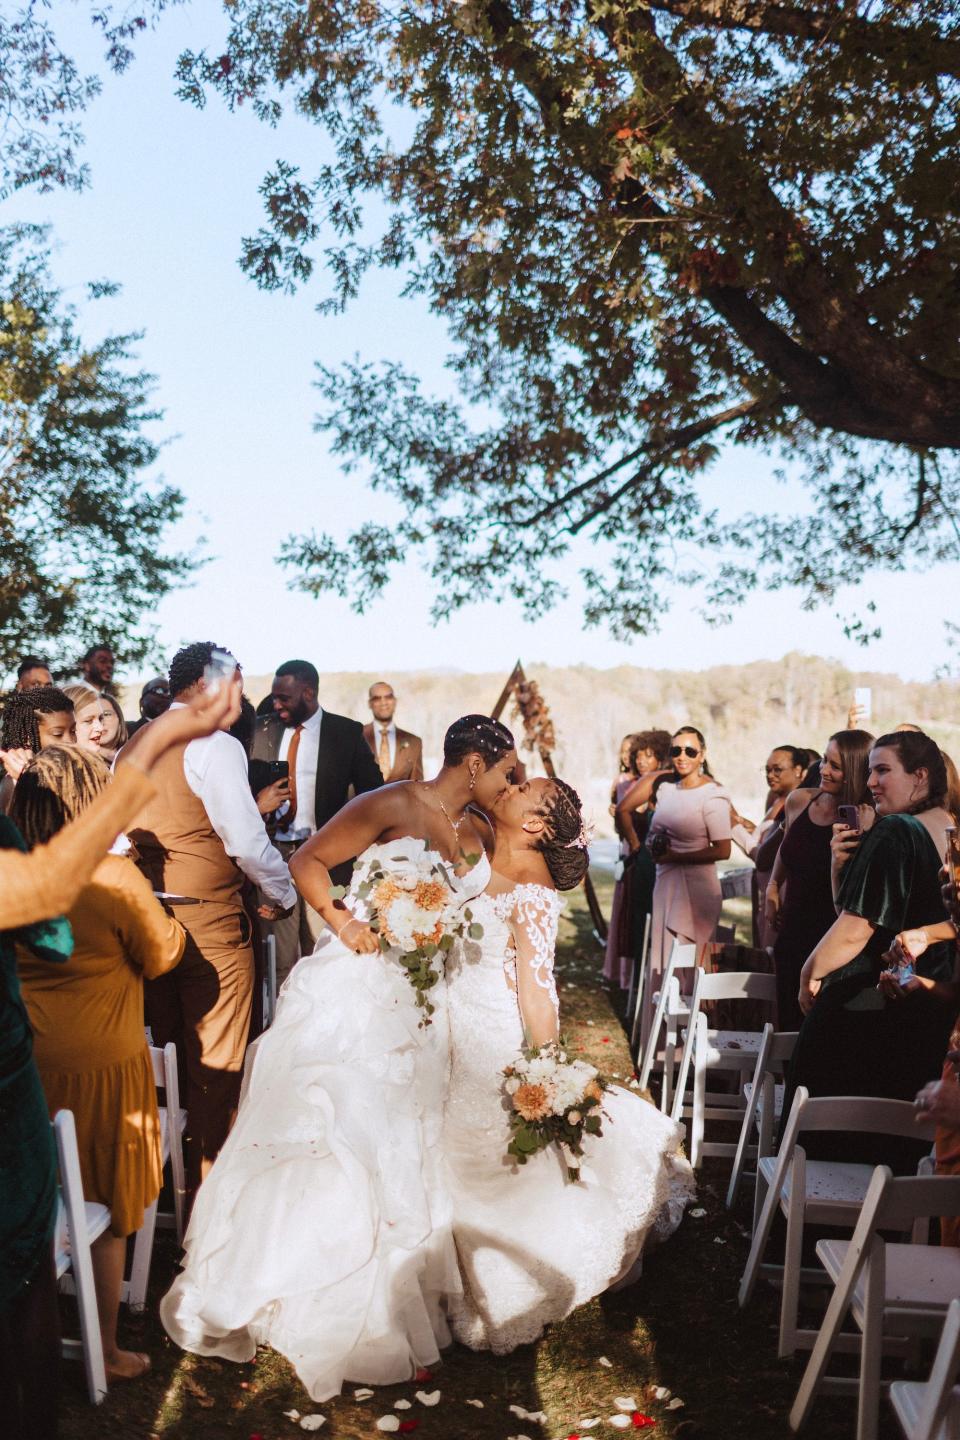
<point x="552" y="1100"/>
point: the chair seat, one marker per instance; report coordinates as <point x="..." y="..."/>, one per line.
<point x="98" y="1220"/>
<point x="837" y="1184"/>
<point x="779" y="1091"/>
<point x="730" y="1047"/>
<point x="918" y="1277"/>
<point x="907" y="1398"/>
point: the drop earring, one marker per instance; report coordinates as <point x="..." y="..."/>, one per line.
<point x="473" y="778"/>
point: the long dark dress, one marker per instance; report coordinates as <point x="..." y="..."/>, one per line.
<point x="856" y="1042"/>
<point x="808" y="910"/>
<point x="28" y="1165"/>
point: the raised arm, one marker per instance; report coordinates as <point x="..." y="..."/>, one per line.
<point x="637" y="796"/>
<point x="533" y="924"/>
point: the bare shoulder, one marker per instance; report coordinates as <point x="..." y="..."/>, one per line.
<point x="798" y="800"/>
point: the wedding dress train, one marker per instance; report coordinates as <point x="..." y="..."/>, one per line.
<point x="531" y="1245"/>
<point x="323" y="1229"/>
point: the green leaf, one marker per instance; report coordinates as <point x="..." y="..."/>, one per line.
<point x="475" y="932"/>
<point x="337" y="892"/>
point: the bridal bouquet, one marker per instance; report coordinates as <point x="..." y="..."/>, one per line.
<point x="552" y="1100"/>
<point x="414" y="910"/>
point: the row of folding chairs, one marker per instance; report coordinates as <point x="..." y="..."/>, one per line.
<point x="81" y="1222"/>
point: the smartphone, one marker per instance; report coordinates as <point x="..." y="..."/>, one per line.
<point x="849" y="815"/>
<point x="863" y="699"/>
<point x="266" y="772"/>
<point x="221" y="668"/>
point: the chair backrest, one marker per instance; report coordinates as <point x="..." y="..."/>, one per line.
<point x="782" y="1048"/>
<point x="906" y="1198"/>
<point x="870" y="1115"/>
<point x="683" y="956"/>
<point x="735" y="985"/>
<point x="937" y="1395"/>
<point x="156" y="1065"/>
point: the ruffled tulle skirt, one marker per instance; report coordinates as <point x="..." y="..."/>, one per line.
<point x="323" y="1229"/>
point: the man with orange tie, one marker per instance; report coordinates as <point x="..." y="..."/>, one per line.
<point x="398" y="753"/>
<point x="328" y="762"/>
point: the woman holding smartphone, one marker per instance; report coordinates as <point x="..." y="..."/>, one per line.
<point x="799" y="901"/>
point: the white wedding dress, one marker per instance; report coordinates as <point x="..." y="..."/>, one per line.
<point x="533" y="1246"/>
<point x="323" y="1229"/>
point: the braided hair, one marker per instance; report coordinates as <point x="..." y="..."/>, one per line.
<point x="561" y="844"/>
<point x="54" y="789"/>
<point x="477" y="735"/>
<point x="21" y="726"/>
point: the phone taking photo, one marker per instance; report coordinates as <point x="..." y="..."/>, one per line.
<point x="863" y="699"/>
<point x="220" y="669"/>
<point x="849" y="815"/>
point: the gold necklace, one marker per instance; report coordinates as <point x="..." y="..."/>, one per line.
<point x="454" y="824"/>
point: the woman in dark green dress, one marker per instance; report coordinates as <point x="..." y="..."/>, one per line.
<point x="854" y="1039"/>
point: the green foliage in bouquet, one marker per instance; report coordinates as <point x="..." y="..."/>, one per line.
<point x="552" y="1100"/>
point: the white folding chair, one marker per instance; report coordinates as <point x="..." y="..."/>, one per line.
<point x="817" y="1192"/>
<point x="78" y="1224"/>
<point x="931" y="1410"/>
<point x="173" y="1123"/>
<point x="682" y="957"/>
<point x="269" y="980"/>
<point x="764" y="1097"/>
<point x="639" y="981"/>
<point x="724" y="1050"/>
<point x="892" y="1291"/>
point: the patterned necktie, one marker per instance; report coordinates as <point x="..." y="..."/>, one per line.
<point x="383" y="754"/>
<point x="292" y="763"/>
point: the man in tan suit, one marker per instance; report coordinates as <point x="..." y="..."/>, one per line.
<point x="398" y="753"/>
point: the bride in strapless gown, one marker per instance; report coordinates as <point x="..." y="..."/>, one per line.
<point x="533" y="1246"/>
<point x="323" y="1228"/>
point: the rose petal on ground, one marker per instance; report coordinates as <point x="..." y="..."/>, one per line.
<point x="697" y="1214"/>
<point x="423" y="1375"/>
<point x="402" y="1405"/>
<point x="313" y="1422"/>
<point x="363" y="1394"/>
<point x="537" y="1416"/>
<point x="625" y="1402"/>
<point x="589" y="1424"/>
<point x="607" y="1364"/>
<point x="660" y="1392"/>
<point x="388" y="1422"/>
<point x="292" y="1414"/>
<point x="622" y="1422"/>
<point x="477" y="1404"/>
<point x="676" y="1403"/>
<point x="642" y="1422"/>
<point x="431" y="1397"/>
<point x="406" y="1426"/>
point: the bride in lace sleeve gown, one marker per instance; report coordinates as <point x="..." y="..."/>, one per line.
<point x="323" y="1228"/>
<point x="531" y="1245"/>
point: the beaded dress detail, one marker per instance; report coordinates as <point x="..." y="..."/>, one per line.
<point x="531" y="1246"/>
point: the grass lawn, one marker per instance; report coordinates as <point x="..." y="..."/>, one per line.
<point x="678" y="1328"/>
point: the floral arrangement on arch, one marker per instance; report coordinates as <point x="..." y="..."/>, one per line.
<point x="529" y="704"/>
<point x="414" y="910"/>
<point x="552" y="1100"/>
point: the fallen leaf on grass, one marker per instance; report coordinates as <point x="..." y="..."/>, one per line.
<point x="428" y="1398"/>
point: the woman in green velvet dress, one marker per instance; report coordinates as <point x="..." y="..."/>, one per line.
<point x="854" y="1039"/>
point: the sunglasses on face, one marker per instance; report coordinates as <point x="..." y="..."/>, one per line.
<point x="689" y="750"/>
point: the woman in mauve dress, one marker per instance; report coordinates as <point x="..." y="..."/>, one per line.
<point x="616" y="957"/>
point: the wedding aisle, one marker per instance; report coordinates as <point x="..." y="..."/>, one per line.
<point x="672" y="1356"/>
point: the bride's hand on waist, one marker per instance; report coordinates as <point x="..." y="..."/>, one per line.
<point x="357" y="936"/>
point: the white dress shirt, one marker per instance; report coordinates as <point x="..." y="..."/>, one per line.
<point x="391" y="741"/>
<point x="304" y="824"/>
<point x="215" y="768"/>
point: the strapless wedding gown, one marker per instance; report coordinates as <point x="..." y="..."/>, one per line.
<point x="323" y="1228"/>
<point x="533" y="1246"/>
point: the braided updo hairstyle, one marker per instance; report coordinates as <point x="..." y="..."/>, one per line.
<point x="566" y="854"/>
<point x="21" y="728"/>
<point x="477" y="735"/>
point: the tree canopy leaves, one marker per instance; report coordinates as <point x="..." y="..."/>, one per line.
<point x="649" y="227"/>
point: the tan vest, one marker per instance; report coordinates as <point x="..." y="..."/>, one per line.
<point x="179" y="850"/>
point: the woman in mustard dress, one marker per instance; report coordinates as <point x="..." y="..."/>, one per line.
<point x="87" y="1021"/>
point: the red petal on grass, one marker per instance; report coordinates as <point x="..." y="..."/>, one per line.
<point x="642" y="1422"/>
<point x="604" y="1039"/>
<point x="423" y="1375"/>
<point x="407" y="1425"/>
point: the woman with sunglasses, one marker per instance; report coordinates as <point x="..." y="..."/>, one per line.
<point x="690" y="831"/>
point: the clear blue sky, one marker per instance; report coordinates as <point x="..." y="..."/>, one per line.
<point x="174" y="189"/>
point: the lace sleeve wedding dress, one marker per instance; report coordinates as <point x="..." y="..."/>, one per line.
<point x="323" y="1228"/>
<point x="531" y="1245"/>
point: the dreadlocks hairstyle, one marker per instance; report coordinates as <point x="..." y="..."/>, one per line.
<point x="188" y="665"/>
<point x="563" y="845"/>
<point x="477" y="735"/>
<point x="54" y="788"/>
<point x="917" y="751"/>
<point x="21" y="711"/>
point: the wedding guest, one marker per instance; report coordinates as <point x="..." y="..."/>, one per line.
<point x="32" y="719"/>
<point x="87" y="1022"/>
<point x="198" y="838"/>
<point x="398" y="753"/>
<point x="689" y="833"/>
<point x="617" y="960"/>
<point x="35" y="888"/>
<point x="327" y="758"/>
<point x="785" y="769"/>
<point x="96" y="668"/>
<point x="31" y="672"/>
<point x="154" y="701"/>
<point x="799" y="905"/>
<point x="648" y="755"/>
<point x="856" y="1040"/>
<point x="89" y="711"/>
<point x="115" y="734"/>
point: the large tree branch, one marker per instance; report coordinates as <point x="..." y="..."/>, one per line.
<point x="917" y="47"/>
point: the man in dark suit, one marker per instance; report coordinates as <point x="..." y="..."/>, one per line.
<point x="329" y="762"/>
<point x="398" y="753"/>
